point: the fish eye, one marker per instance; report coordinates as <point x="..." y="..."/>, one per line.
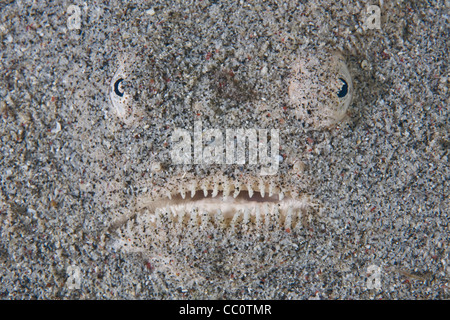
<point x="343" y="92"/>
<point x="117" y="86"/>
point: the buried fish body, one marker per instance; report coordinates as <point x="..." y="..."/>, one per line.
<point x="190" y="203"/>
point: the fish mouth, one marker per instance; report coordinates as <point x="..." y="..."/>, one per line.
<point x="227" y="204"/>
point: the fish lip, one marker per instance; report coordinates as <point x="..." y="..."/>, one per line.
<point x="189" y="187"/>
<point x="250" y="200"/>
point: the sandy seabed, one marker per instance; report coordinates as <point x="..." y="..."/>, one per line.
<point x="70" y="163"/>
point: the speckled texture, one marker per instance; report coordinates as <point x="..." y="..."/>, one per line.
<point x="320" y="87"/>
<point x="70" y="165"/>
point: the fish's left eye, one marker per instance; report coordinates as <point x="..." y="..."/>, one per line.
<point x="344" y="89"/>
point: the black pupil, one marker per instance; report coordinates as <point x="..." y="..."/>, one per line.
<point x="116" y="87"/>
<point x="343" y="92"/>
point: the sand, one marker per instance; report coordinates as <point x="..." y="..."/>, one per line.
<point x="70" y="164"/>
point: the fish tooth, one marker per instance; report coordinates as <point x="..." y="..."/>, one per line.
<point x="246" y="216"/>
<point x="205" y="219"/>
<point x="169" y="195"/>
<point x="288" y="220"/>
<point x="258" y="217"/>
<point x="250" y="190"/>
<point x="194" y="220"/>
<point x="205" y="191"/>
<point x="266" y="216"/>
<point x="192" y="189"/>
<point x="181" y="216"/>
<point x="262" y="188"/>
<point x="158" y="214"/>
<point x="235" y="219"/>
<point x="183" y="193"/>
<point x="226" y="190"/>
<point x="236" y="191"/>
<point x="270" y="189"/>
<point x="281" y="195"/>
<point x="173" y="211"/>
<point x="299" y="220"/>
<point x="215" y="190"/>
<point x="173" y="216"/>
<point x="220" y="220"/>
<point x="276" y="214"/>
